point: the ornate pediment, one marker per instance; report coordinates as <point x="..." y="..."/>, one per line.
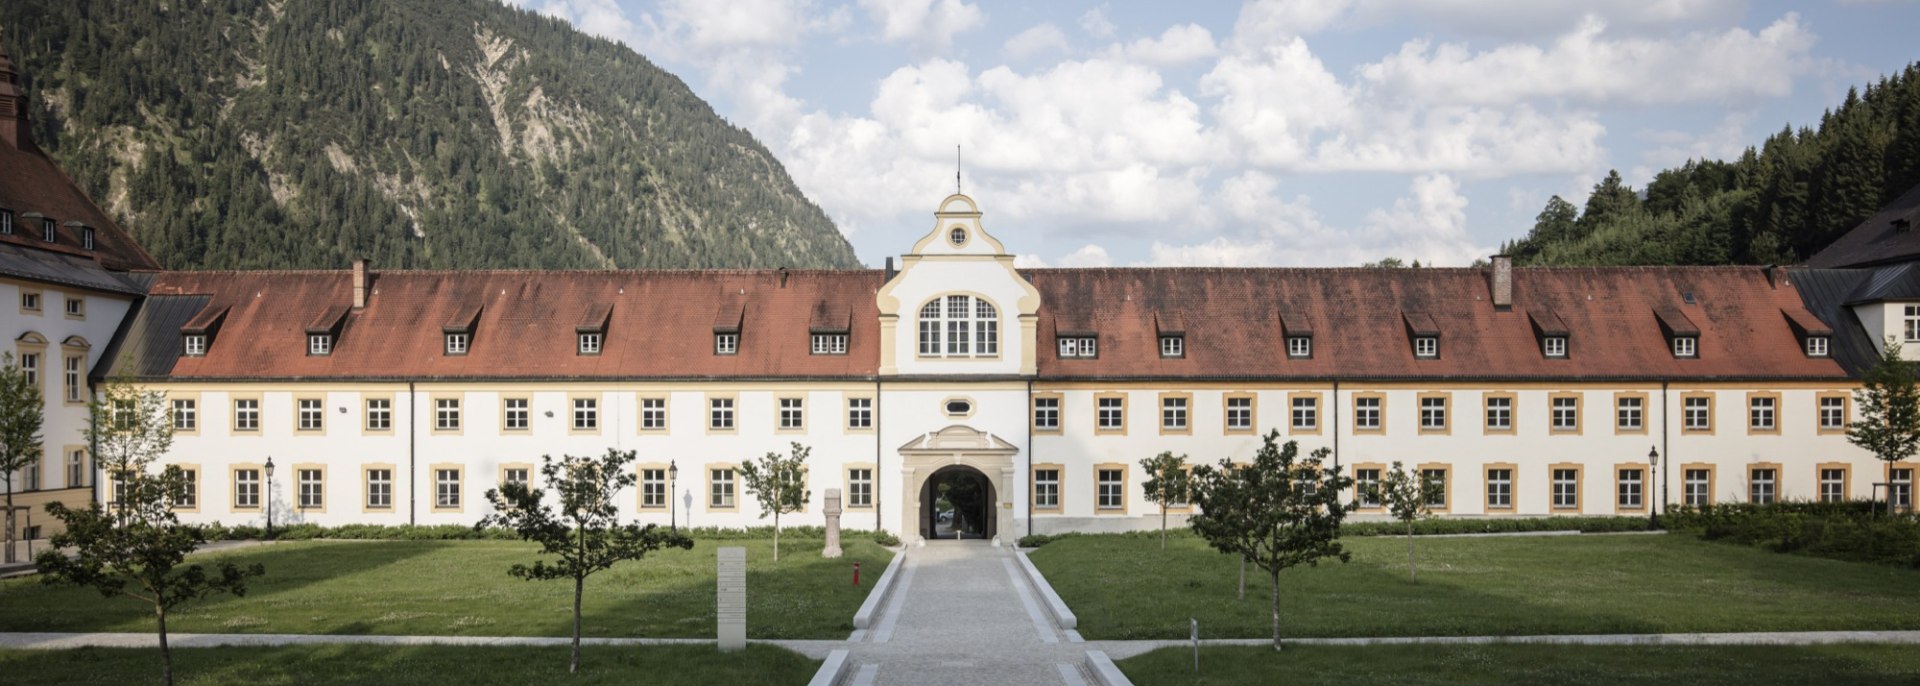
<point x="958" y="439"/>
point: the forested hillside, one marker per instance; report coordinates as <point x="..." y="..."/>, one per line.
<point x="418" y="133"/>
<point x="1778" y="204"/>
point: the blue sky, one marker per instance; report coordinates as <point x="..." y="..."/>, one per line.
<point x="1285" y="133"/>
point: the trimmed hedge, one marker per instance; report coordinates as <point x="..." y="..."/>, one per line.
<point x="456" y="532"/>
<point x="1423" y="527"/>
<point x="1850" y="531"/>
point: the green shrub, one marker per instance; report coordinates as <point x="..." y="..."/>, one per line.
<point x="1495" y="525"/>
<point x="885" y="538"/>
<point x="1850" y="531"/>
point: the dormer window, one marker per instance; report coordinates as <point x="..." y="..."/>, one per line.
<point x="1299" y="347"/>
<point x="457" y="343"/>
<point x="1079" y="346"/>
<point x="1554" y="347"/>
<point x="1173" y="346"/>
<point x="86" y="237"/>
<point x="589" y="343"/>
<point x="47" y="230"/>
<point x="726" y="343"/>
<point x="319" y="344"/>
<point x="1426" y="347"/>
<point x="1816" y="346"/>
<point x="197" y="334"/>
<point x="194" y="345"/>
<point x="6" y="222"/>
<point x="829" y="344"/>
<point x="1686" y="346"/>
<point x="591" y="333"/>
<point x="458" y="331"/>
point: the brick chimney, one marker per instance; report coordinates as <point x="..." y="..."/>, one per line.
<point x="1503" y="281"/>
<point x="360" y="283"/>
<point x="13" y="105"/>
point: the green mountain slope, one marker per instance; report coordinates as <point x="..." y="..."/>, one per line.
<point x="1779" y="204"/>
<point x="417" y="133"/>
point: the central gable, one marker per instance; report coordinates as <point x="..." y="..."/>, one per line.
<point x="958" y="307"/>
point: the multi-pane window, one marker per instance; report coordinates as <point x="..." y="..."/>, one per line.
<point x="246" y="414"/>
<point x="30" y="475"/>
<point x="1079" y="346"/>
<point x="1761" y="488"/>
<point x="1566" y="414"/>
<point x="1554" y="346"/>
<point x="6" y="222"/>
<point x="446" y="414"/>
<point x="1366" y="414"/>
<point x="959" y="325"/>
<point x="74" y="390"/>
<point x="1046" y="488"/>
<point x="319" y="344"/>
<point x="76" y="469"/>
<point x="653" y="414"/>
<point x="1433" y="414"/>
<point x="1500" y="414"/>
<point x="379" y="414"/>
<point x="1299" y="346"/>
<point x="312" y="417"/>
<point x="1695" y="487"/>
<point x="312" y="490"/>
<point x="1173" y="414"/>
<point x="1912" y="321"/>
<point x="1110" y="414"/>
<point x="860" y="413"/>
<point x="1500" y="489"/>
<point x="1760" y="413"/>
<point x="1900" y="488"/>
<point x="1111" y="489"/>
<point x="1435" y="480"/>
<point x="586" y="414"/>
<point x="1629" y="413"/>
<point x="195" y="345"/>
<point x="1566" y="489"/>
<point x="1833" y="413"/>
<point x="1426" y="346"/>
<point x="1629" y="489"/>
<point x="30" y="368"/>
<point x="1173" y="346"/>
<point x="188" y="497"/>
<point x="446" y="488"/>
<point x="379" y="489"/>
<point x="518" y="414"/>
<point x="1686" y="346"/>
<point x="1240" y="414"/>
<point x="860" y="487"/>
<point x="726" y="343"/>
<point x="720" y="492"/>
<point x="86" y="237"/>
<point x="457" y="343"/>
<point x="1046" y="414"/>
<point x="76" y="307"/>
<point x="246" y="488"/>
<point x="47" y="231"/>
<point x="186" y="414"/>
<point x="829" y="344"/>
<point x="720" y="413"/>
<point x="1366" y="487"/>
<point x="590" y="343"/>
<point x="1696" y="414"/>
<point x="1306" y="413"/>
<point x="1816" y="346"/>
<point x="653" y="487"/>
<point x="1833" y="485"/>
<point x="793" y="413"/>
<point x="30" y="301"/>
<point x="515" y="475"/>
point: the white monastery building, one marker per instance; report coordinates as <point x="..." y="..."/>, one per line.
<point x="1029" y="397"/>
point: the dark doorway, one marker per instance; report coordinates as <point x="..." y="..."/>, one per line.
<point x="957" y="503"/>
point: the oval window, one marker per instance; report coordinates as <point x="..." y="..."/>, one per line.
<point x="959" y="407"/>
<point x="959" y="236"/>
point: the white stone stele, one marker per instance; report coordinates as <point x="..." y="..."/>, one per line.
<point x="832" y="511"/>
<point x="731" y="611"/>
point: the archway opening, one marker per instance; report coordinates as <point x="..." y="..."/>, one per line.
<point x="957" y="503"/>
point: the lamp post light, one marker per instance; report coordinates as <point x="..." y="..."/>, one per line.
<point x="1653" y="460"/>
<point x="673" y="511"/>
<point x="268" y="496"/>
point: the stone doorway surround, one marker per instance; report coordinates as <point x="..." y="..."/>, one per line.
<point x="958" y="445"/>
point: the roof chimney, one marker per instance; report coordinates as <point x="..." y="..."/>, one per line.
<point x="890" y="271"/>
<point x="13" y="106"/>
<point x="360" y="283"/>
<point x="1502" y="281"/>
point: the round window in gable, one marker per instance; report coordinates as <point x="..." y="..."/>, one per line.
<point x="958" y="236"/>
<point x="959" y="407"/>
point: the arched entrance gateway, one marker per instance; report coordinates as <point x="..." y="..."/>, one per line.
<point x="959" y="484"/>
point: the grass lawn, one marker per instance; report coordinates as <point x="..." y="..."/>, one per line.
<point x="462" y="588"/>
<point x="401" y="665"/>
<point x="1531" y="664"/>
<point x="1125" y="587"/>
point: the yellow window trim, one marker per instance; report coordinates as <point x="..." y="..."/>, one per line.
<point x="366" y="486"/>
<point x="1033" y="476"/>
<point x="1355" y="413"/>
<point x="1579" y="487"/>
<point x="1318" y="420"/>
<point x="1513" y="413"/>
<point x="1513" y="486"/>
<point x="706" y="498"/>
<point x="1647" y="493"/>
<point x="1446" y="414"/>
<point x="1126" y="479"/>
<point x="1097" y="429"/>
<point x="1162" y="410"/>
<point x="1253" y="414"/>
<point x="1646" y="414"/>
<point x="326" y="489"/>
<point x="433" y="483"/>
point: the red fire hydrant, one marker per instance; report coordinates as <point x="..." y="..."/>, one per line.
<point x="856" y="574"/>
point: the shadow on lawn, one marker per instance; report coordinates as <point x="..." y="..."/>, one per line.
<point x="804" y="597"/>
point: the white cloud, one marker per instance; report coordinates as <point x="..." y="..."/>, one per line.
<point x="1669" y="148"/>
<point x="928" y="25"/>
<point x="1263" y="21"/>
<point x="1178" y="45"/>
<point x="1537" y="19"/>
<point x="1428" y="224"/>
<point x="1087" y="256"/>
<point x="1096" y="24"/>
<point x="1271" y="102"/>
<point x="1039" y="40"/>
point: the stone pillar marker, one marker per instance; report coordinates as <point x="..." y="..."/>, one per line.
<point x="731" y="611"/>
<point x="833" y="524"/>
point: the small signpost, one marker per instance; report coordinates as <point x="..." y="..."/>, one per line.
<point x="1195" y="634"/>
<point x="732" y="610"/>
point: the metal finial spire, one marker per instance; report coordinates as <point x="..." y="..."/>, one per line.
<point x="956" y="170"/>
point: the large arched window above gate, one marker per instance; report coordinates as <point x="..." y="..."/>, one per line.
<point x="959" y="326"/>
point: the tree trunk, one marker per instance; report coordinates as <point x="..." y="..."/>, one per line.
<point x="579" y="585"/>
<point x="1163" y="527"/>
<point x="1276" y="610"/>
<point x="776" y="535"/>
<point x="166" y="653"/>
<point x="1243" y="578"/>
<point x="1412" y="574"/>
<point x="10" y="554"/>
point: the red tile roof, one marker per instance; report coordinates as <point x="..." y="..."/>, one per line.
<point x="31" y="183"/>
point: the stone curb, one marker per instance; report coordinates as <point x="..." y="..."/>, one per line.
<point x="1105" y="673"/>
<point x="1745" y="638"/>
<point x="831" y="670"/>
<point x="863" y="618"/>
<point x="1061" y="614"/>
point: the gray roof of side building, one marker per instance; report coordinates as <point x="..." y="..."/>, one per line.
<point x="62" y="269"/>
<point x="1890" y="235"/>
<point x="148" y="342"/>
<point x="1828" y="293"/>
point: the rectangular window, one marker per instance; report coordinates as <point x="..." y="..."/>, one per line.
<point x="30" y="368"/>
<point x="47" y="230"/>
<point x="319" y="344"/>
<point x="1299" y="347"/>
<point x="457" y="343"/>
<point x="515" y="475"/>
<point x="446" y="489"/>
<point x="860" y="413"/>
<point x="30" y="302"/>
<point x="1760" y="413"/>
<point x="1554" y="346"/>
<point x="1696" y="413"/>
<point x="726" y="343"/>
<point x="1816" y="346"/>
<point x="1499" y="413"/>
<point x="1366" y="487"/>
<point x="590" y="343"/>
<point x="312" y="416"/>
<point x="379" y="414"/>
<point x="1046" y="414"/>
<point x="1566" y="413"/>
<point x="186" y="415"/>
<point x="1833" y="485"/>
<point x="189" y="496"/>
<point x="75" y="393"/>
<point x="1628" y="413"/>
<point x="519" y="414"/>
<point x="986" y="328"/>
<point x="720" y="413"/>
<point x="1500" y="489"/>
<point x="1111" y="414"/>
<point x="1112" y="487"/>
<point x="1433" y="414"/>
<point x="1833" y="413"/>
<point x="1084" y="346"/>
<point x="1761" y="486"/>
<point x="793" y="413"/>
<point x="586" y="414"/>
<point x="1173" y="346"/>
<point x="76" y="307"/>
<point x="1912" y="321"/>
<point x="446" y="414"/>
<point x="6" y="222"/>
<point x="246" y="414"/>
<point x="312" y="490"/>
<point x="653" y="414"/>
<point x="1173" y="414"/>
<point x="860" y="487"/>
<point x="720" y="493"/>
<point x="1629" y="489"/>
<point x="86" y="237"/>
<point x="30" y="476"/>
<point x="1900" y="488"/>
<point x="1426" y="347"/>
<point x="77" y="469"/>
<point x="1366" y="414"/>
<point x="195" y="345"/>
<point x="1696" y="487"/>
<point x="1686" y="346"/>
<point x="379" y="489"/>
<point x="246" y="489"/>
<point x="653" y="488"/>
<point x="829" y="344"/>
<point x="1436" y="487"/>
<point x="1046" y="489"/>
<point x="1566" y="489"/>
<point x="1306" y="413"/>
<point x="930" y="330"/>
<point x="1240" y="413"/>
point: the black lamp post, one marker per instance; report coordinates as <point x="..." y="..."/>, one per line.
<point x="1653" y="460"/>
<point x="673" y="510"/>
<point x="268" y="496"/>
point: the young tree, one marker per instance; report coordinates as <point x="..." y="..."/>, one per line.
<point x="585" y="533"/>
<point x="779" y="483"/>
<point x="1406" y="495"/>
<point x="1889" y="424"/>
<point x="1166" y="484"/>
<point x="20" y="421"/>
<point x="1279" y="511"/>
<point x="136" y="547"/>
